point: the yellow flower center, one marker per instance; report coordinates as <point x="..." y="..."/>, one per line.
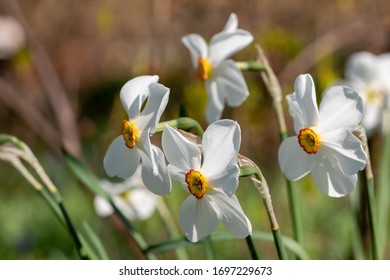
<point x="372" y="95"/>
<point x="197" y="183"/>
<point x="130" y="133"/>
<point x="204" y="68"/>
<point x="309" y="140"/>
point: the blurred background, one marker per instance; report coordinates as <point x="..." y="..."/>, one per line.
<point x="60" y="82"/>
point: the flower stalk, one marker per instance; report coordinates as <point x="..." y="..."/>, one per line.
<point x="371" y="201"/>
<point x="273" y="87"/>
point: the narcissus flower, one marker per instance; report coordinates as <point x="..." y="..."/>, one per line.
<point x="324" y="144"/>
<point x="133" y="147"/>
<point x="369" y="75"/>
<point x="130" y="196"/>
<point x="224" y="81"/>
<point x="210" y="177"/>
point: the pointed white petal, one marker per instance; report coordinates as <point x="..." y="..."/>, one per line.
<point x="341" y="107"/>
<point x="230" y="80"/>
<point x="159" y="184"/>
<point x="227" y="179"/>
<point x="179" y="175"/>
<point x="179" y="151"/>
<point x="303" y="103"/>
<point x="134" y="93"/>
<point x="119" y="160"/>
<point x="215" y="101"/>
<point x="346" y="149"/>
<point x="330" y="178"/>
<point x="145" y="146"/>
<point x="224" y="44"/>
<point x="102" y="207"/>
<point x="293" y="160"/>
<point x="231" y="24"/>
<point x="155" y="106"/>
<point x="197" y="47"/>
<point x="221" y="143"/>
<point x="233" y="216"/>
<point x="198" y="218"/>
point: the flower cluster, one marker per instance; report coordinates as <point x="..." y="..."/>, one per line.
<point x="324" y="144"/>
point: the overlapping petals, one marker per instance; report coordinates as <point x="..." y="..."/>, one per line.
<point x="340" y="155"/>
<point x="218" y="171"/>
<point x="225" y="84"/>
<point x="144" y="101"/>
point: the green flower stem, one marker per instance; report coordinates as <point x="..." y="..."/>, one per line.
<point x="249" y="168"/>
<point x="371" y="202"/>
<point x="384" y="195"/>
<point x="251" y="247"/>
<point x="274" y="89"/>
<point x="252" y="66"/>
<point x="181" y="123"/>
<point x="136" y="237"/>
<point x="170" y="224"/>
<point x="210" y="254"/>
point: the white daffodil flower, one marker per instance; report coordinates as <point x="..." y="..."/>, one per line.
<point x="130" y="196"/>
<point x="324" y="145"/>
<point x="224" y="81"/>
<point x="210" y="177"/>
<point x="12" y="37"/>
<point x="131" y="148"/>
<point x="369" y="75"/>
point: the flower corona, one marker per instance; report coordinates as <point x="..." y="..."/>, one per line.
<point x="309" y="140"/>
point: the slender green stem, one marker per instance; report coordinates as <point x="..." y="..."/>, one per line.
<point x="210" y="254"/>
<point x="248" y="168"/>
<point x="170" y="224"/>
<point x="252" y="66"/>
<point x="251" y="247"/>
<point x="371" y="202"/>
<point x="384" y="195"/>
<point x="182" y="123"/>
<point x="274" y="89"/>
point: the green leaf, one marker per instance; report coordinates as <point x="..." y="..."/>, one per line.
<point x="92" y="242"/>
<point x="84" y="174"/>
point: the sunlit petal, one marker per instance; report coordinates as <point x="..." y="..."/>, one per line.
<point x="231" y="24"/>
<point x="341" y="107"/>
<point x="293" y="160"/>
<point x="179" y="151"/>
<point x="197" y="47"/>
<point x="230" y="80"/>
<point x="198" y="218"/>
<point x="215" y="101"/>
<point x="135" y="92"/>
<point x="224" y="44"/>
<point x="119" y="160"/>
<point x="303" y="103"/>
<point x="159" y="184"/>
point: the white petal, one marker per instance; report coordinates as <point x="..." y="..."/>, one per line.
<point x="145" y="146"/>
<point x="102" y="207"/>
<point x="224" y="44"/>
<point x="143" y="202"/>
<point x="372" y="118"/>
<point x="230" y="80"/>
<point x="330" y="177"/>
<point x="178" y="175"/>
<point x="197" y="47"/>
<point x="293" y="160"/>
<point x="221" y="143"/>
<point x="215" y="101"/>
<point x="233" y="216"/>
<point x="227" y="179"/>
<point x="341" y="107"/>
<point x="179" y="151"/>
<point x="155" y="106"/>
<point x="119" y="160"/>
<point x="346" y="149"/>
<point x="159" y="184"/>
<point x="361" y="66"/>
<point x="232" y="23"/>
<point x="125" y="207"/>
<point x="134" y="93"/>
<point x="198" y="218"/>
<point x="303" y="103"/>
